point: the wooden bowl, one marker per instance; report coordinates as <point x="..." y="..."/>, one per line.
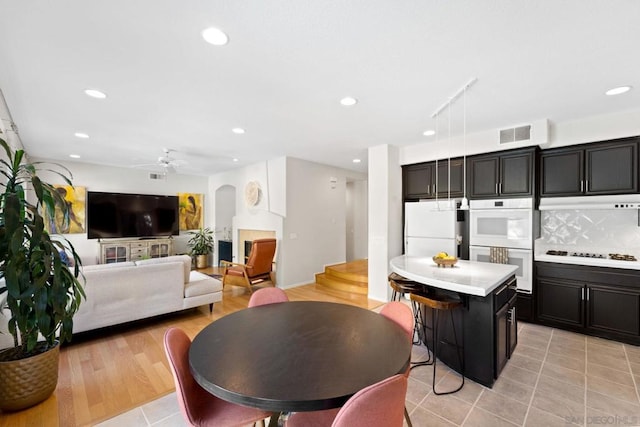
<point x="441" y="262"/>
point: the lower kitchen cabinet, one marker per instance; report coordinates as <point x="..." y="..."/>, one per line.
<point x="603" y="302"/>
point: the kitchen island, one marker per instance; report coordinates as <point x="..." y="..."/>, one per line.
<point x="488" y="294"/>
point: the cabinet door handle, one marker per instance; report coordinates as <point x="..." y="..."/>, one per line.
<point x="588" y="294"/>
<point x="496" y="188"/>
<point x="582" y="294"/>
<point x="586" y="185"/>
<point x="581" y="185"/>
<point x="500" y="192"/>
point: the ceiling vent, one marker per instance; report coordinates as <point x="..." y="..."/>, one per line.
<point x="534" y="133"/>
<point x="157" y="176"/>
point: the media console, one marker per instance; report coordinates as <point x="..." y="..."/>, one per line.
<point x="123" y="250"/>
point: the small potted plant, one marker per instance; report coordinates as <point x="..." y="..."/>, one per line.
<point x="37" y="287"/>
<point x="201" y="244"/>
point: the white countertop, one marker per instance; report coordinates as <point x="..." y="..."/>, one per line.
<point x="596" y="262"/>
<point x="467" y="277"/>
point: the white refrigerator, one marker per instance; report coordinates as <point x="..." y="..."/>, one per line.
<point x="430" y="227"/>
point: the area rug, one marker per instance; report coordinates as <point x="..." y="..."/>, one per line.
<point x="215" y="275"/>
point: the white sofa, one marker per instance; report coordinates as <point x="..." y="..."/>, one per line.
<point x="123" y="292"/>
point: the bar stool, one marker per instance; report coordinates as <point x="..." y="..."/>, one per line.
<point x="438" y="304"/>
<point x="401" y="286"/>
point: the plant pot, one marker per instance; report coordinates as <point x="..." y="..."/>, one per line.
<point x="201" y="261"/>
<point x="27" y="382"/>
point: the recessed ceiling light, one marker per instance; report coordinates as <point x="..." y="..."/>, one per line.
<point x="429" y="132"/>
<point x="81" y="135"/>
<point x="94" y="93"/>
<point x="74" y="156"/>
<point x="348" y="101"/>
<point x="356" y="160"/>
<point x="618" y="90"/>
<point x="239" y="131"/>
<point x="235" y="160"/>
<point x="215" y="36"/>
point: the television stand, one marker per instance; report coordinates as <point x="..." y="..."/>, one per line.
<point x="123" y="250"/>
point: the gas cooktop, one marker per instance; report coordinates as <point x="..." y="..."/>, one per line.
<point x="619" y="257"/>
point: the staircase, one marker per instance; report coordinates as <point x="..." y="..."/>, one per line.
<point x="347" y="277"/>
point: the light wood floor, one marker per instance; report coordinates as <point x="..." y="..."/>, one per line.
<point x="105" y="373"/>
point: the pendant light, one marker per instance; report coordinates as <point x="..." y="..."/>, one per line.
<point x="464" y="204"/>
<point x="462" y="91"/>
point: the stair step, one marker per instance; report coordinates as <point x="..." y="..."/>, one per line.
<point x="355" y="271"/>
<point x="340" y="284"/>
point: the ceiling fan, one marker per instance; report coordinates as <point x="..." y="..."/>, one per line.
<point x="166" y="163"/>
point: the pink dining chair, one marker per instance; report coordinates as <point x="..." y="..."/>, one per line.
<point x="379" y="405"/>
<point x="403" y="316"/>
<point x="266" y="296"/>
<point x="198" y="406"/>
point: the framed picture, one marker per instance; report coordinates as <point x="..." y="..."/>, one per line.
<point x="191" y="211"/>
<point x="74" y="198"/>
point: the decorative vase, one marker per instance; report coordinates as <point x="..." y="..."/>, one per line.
<point x="201" y="261"/>
<point x="27" y="382"/>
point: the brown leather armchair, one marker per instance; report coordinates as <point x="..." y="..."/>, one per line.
<point x="259" y="266"/>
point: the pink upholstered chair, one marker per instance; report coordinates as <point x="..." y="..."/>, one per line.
<point x="198" y="406"/>
<point x="266" y="296"/>
<point x="379" y="405"/>
<point x="403" y="316"/>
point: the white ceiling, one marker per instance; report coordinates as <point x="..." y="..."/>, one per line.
<point x="287" y="65"/>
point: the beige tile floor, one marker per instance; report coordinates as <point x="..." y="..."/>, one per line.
<point x="554" y="378"/>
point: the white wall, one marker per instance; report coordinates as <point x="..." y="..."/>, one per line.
<point x="124" y="180"/>
<point x="298" y="203"/>
<point x="385" y="214"/>
<point x="315" y="227"/>
<point x="589" y="129"/>
<point x="268" y="213"/>
<point x="357" y="220"/>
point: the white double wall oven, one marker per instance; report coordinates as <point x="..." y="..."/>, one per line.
<point x="510" y="224"/>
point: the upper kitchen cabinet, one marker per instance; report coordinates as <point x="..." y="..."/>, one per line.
<point x="450" y="179"/>
<point x="502" y="174"/>
<point x="597" y="168"/>
<point x="419" y="180"/>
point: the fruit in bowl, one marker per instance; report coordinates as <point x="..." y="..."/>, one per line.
<point x="443" y="259"/>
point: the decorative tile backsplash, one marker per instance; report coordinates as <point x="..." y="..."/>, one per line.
<point x="600" y="231"/>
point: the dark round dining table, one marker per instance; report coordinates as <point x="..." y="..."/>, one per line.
<point x="297" y="356"/>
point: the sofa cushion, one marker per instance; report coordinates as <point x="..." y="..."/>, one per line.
<point x="96" y="267"/>
<point x="185" y="259"/>
<point x="201" y="284"/>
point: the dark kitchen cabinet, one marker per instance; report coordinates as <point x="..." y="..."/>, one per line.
<point x="502" y="174"/>
<point x="506" y="334"/>
<point x="419" y="180"/>
<point x="450" y="179"/>
<point x="489" y="331"/>
<point x="597" y="301"/>
<point x="597" y="168"/>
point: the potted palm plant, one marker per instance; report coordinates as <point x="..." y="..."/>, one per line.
<point x="201" y="244"/>
<point x="36" y="287"/>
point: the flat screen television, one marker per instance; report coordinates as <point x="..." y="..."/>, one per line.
<point x="112" y="215"/>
